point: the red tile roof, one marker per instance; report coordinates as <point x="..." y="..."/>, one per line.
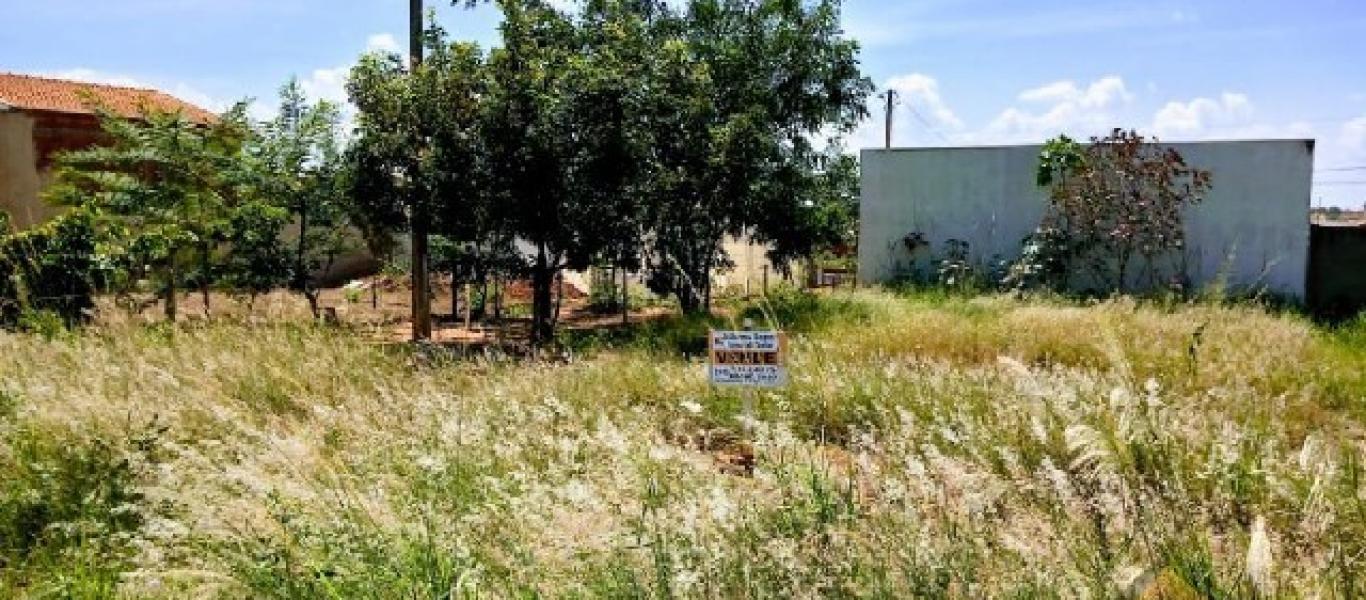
<point x="28" y="92"/>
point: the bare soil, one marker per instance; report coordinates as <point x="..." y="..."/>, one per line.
<point x="382" y="306"/>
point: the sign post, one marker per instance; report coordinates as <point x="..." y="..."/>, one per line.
<point x="747" y="359"/>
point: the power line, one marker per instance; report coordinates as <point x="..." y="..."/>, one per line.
<point x="1341" y="169"/>
<point x="926" y="123"/>
<point x="1361" y="182"/>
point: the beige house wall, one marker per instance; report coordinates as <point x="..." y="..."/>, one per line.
<point x="20" y="183"/>
<point x="751" y="266"/>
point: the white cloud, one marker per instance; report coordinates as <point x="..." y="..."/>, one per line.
<point x="1059" y="107"/>
<point x="569" y="6"/>
<point x="1198" y="117"/>
<point x="914" y="91"/>
<point x="1053" y="92"/>
<point x="93" y="76"/>
<point x="922" y="92"/>
<point x="1101" y="93"/>
<point x="330" y="83"/>
<point x="1081" y="111"/>
<point x="382" y="42"/>
<point x="327" y="84"/>
<point x="1063" y="107"/>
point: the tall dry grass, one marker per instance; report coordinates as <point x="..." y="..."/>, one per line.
<point x="928" y="445"/>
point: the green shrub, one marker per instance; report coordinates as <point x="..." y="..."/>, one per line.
<point x="355" y="558"/>
<point x="793" y="309"/>
<point x="51" y="268"/>
<point x="1115" y="216"/>
<point x="46" y="323"/>
<point x="66" y="512"/>
<point x="9" y="403"/>
<point x="604" y="293"/>
<point x="684" y="334"/>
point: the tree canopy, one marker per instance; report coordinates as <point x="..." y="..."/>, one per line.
<point x="636" y="134"/>
<point x="169" y="192"/>
<point x="629" y="132"/>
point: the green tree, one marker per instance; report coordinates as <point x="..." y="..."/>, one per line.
<point x="1116" y="212"/>
<point x="627" y="133"/>
<point x="299" y="163"/>
<point x="252" y="259"/>
<point x="54" y="267"/>
<point x="419" y="149"/>
<point x="824" y="224"/>
<point x="607" y="97"/>
<point x="744" y="86"/>
<point x="531" y="135"/>
<point x="165" y="188"/>
<point x="472" y="236"/>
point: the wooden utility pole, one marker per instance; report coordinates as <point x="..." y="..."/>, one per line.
<point x="417" y="217"/>
<point x="890" y="95"/>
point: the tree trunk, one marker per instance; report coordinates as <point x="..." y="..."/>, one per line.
<point x="689" y="293"/>
<point x="312" y="292"/>
<point x="171" y="295"/>
<point x="559" y="300"/>
<point x="312" y="297"/>
<point x="498" y="299"/>
<point x="300" y="267"/>
<point x="421" y="279"/>
<point x="705" y="278"/>
<point x="541" y="281"/>
<point x="483" y="297"/>
<point x="479" y="280"/>
<point x="688" y="287"/>
<point x="455" y="297"/>
<point x="1123" y="272"/>
<point x="625" y="298"/>
<point x="204" y="279"/>
<point x="689" y="301"/>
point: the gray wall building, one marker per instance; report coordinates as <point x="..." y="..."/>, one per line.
<point x="1251" y="233"/>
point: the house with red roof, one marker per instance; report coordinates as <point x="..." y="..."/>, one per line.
<point x="40" y="117"/>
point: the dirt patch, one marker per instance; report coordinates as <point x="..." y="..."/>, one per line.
<point x="521" y="291"/>
<point x="380" y="306"/>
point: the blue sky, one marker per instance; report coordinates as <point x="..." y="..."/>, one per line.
<point x="970" y="71"/>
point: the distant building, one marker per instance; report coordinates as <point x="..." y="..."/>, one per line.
<point x="1338" y="216"/>
<point x="40" y="117"/>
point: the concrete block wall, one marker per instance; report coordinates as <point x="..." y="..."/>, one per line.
<point x="1251" y="233"/>
<point x="1337" y="270"/>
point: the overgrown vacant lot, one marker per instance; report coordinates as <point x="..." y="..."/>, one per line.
<point x="927" y="446"/>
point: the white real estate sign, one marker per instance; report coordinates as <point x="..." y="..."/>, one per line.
<point x="747" y="358"/>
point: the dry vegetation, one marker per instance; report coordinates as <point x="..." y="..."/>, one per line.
<point x="928" y="446"/>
